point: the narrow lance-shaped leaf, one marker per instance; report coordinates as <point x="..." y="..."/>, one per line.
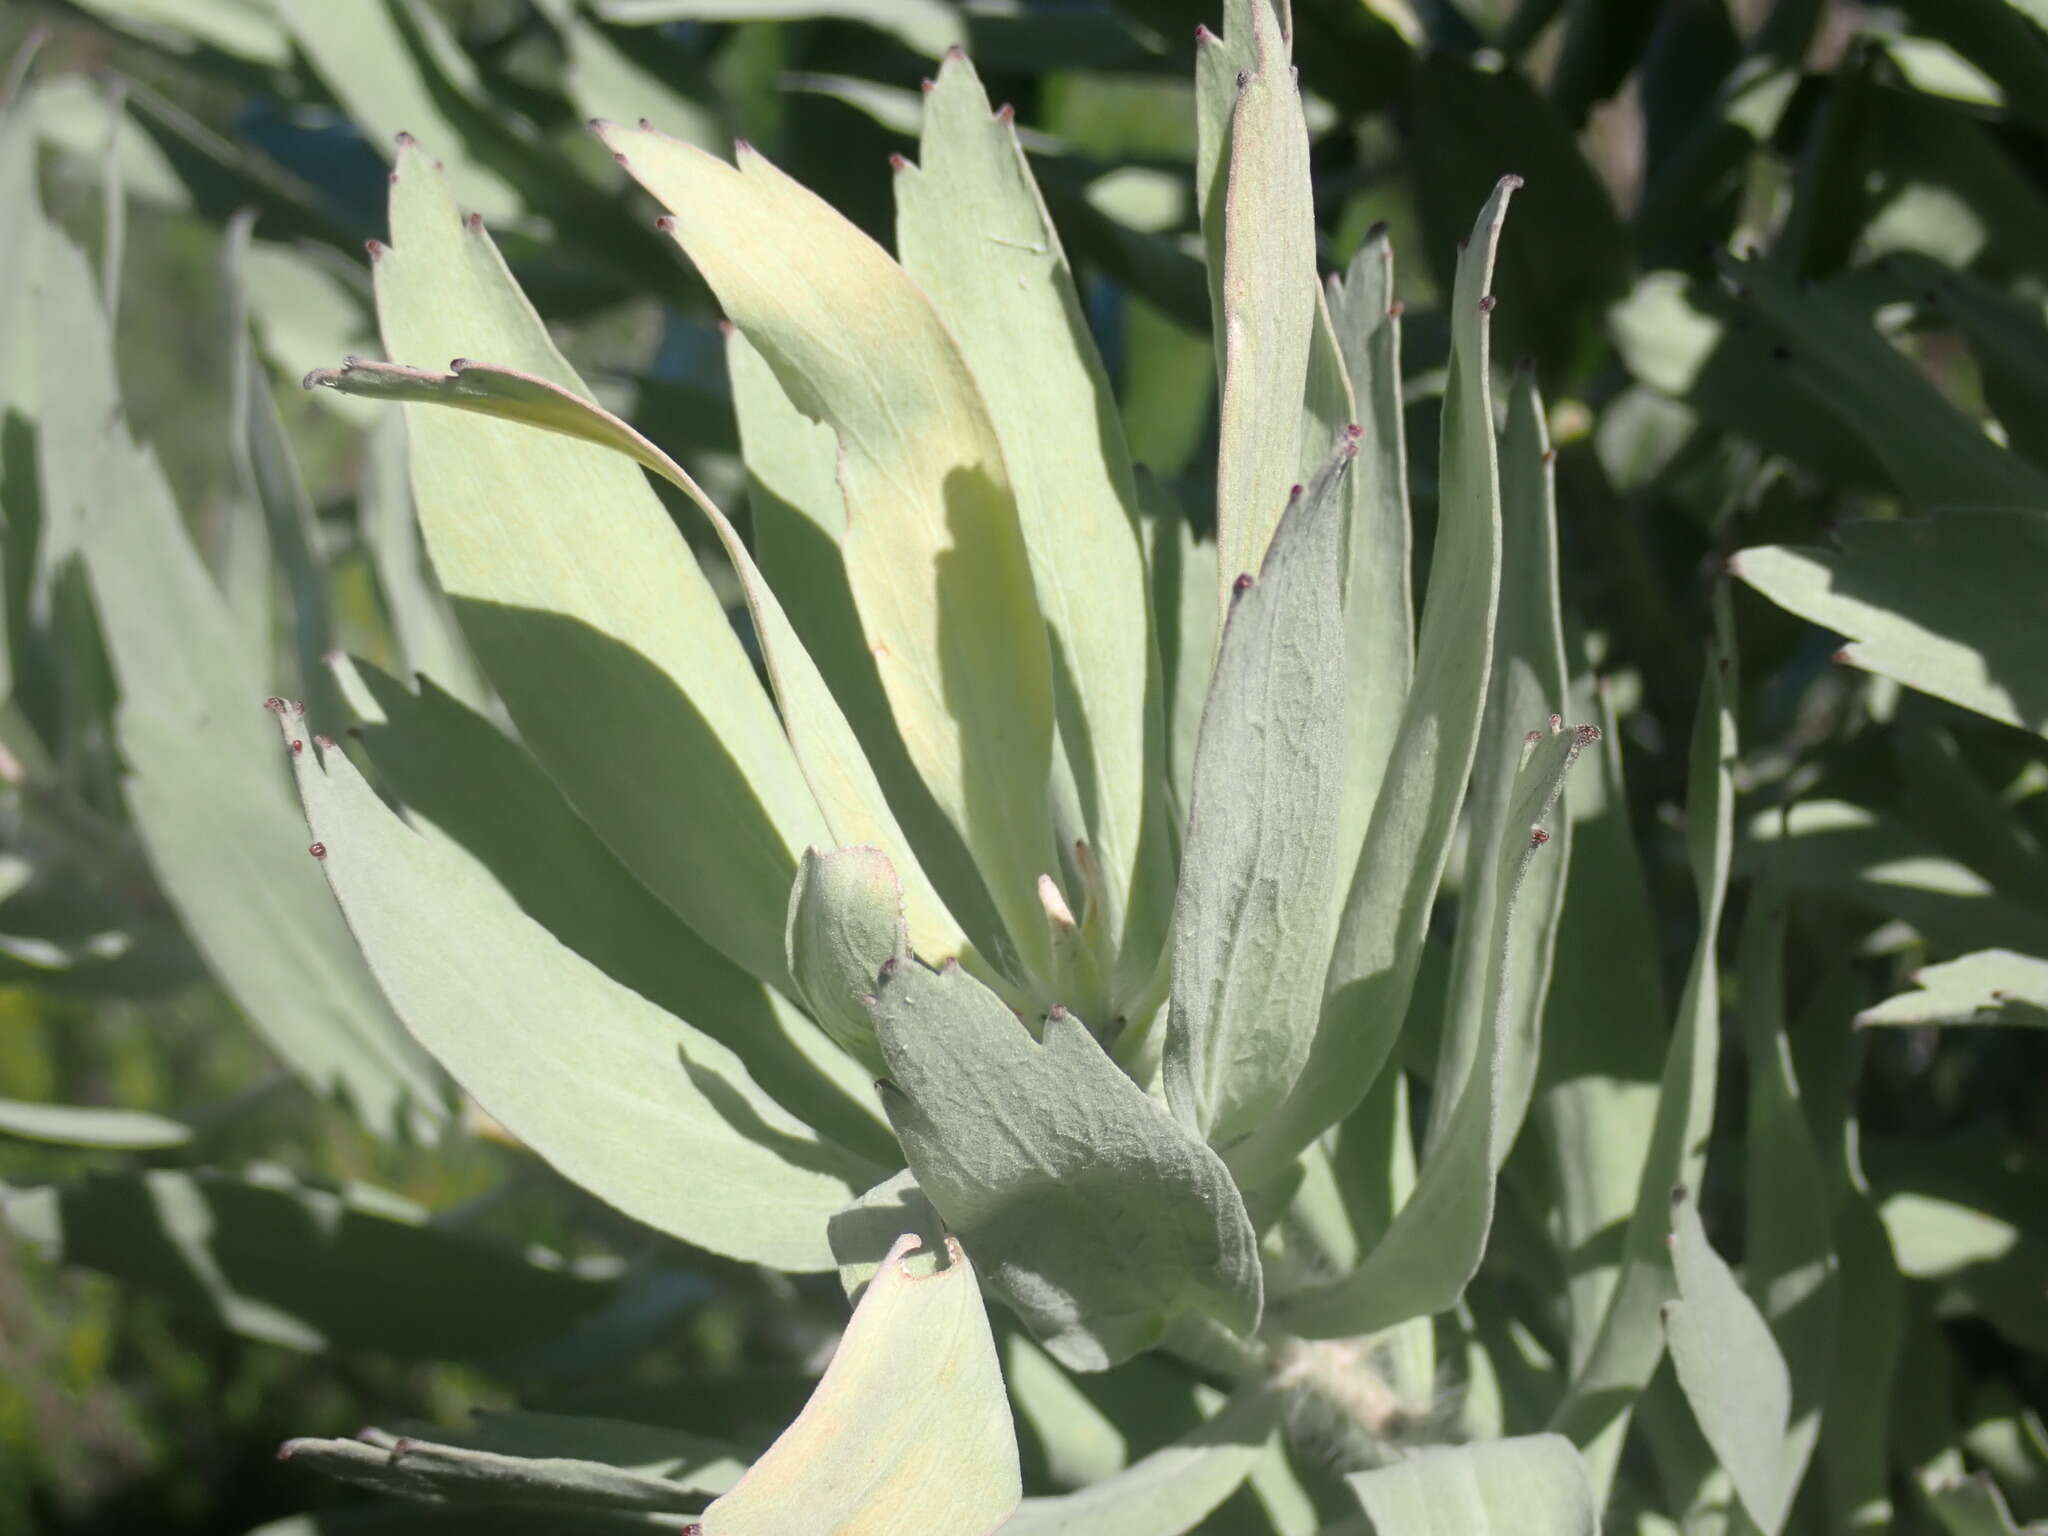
<point x="1250" y="924"/>
<point x="1091" y="1210"/>
<point x="1789" y="1248"/>
<point x="1630" y="1342"/>
<point x="1431" y="1251"/>
<point x="585" y="606"/>
<point x="620" y="1096"/>
<point x="1265" y="300"/>
<point x="1379" y="938"/>
<point x="1379" y="604"/>
<point x="933" y="550"/>
<point x="1526" y="684"/>
<point x="842" y="784"/>
<point x="88" y="1125"/>
<point x="1992" y="986"/>
<point x="1730" y="1369"/>
<point x="908" y="1429"/>
<point x="973" y="232"/>
<point x="435" y="1473"/>
<point x="214" y="814"/>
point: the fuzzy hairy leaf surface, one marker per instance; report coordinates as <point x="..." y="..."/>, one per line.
<point x="1992" y="986"/>
<point x="619" y="1095"/>
<point x="1251" y="923"/>
<point x="1262" y="250"/>
<point x="1379" y="938"/>
<point x="933" y="550"/>
<point x="1433" y="1246"/>
<point x="845" y="924"/>
<point x="1092" y="1211"/>
<point x="585" y="607"/>
<point x="909" y="1429"/>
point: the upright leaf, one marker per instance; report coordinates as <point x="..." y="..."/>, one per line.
<point x="1379" y="939"/>
<point x="933" y="550"/>
<point x="1250" y="924"/>
<point x="620" y="1096"/>
<point x="214" y="814"/>
<point x="1091" y="1210"/>
<point x="973" y="232"/>
<point x="1630" y="1341"/>
<point x="1731" y="1370"/>
<point x="586" y="608"/>
<point x="1432" y="1249"/>
<point x="1379" y="602"/>
<point x="869" y="1457"/>
<point x="1264" y="287"/>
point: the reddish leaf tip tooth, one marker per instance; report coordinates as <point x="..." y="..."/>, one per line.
<point x="599" y="125"/>
<point x="1486" y="303"/>
<point x="324" y="743"/>
<point x="646" y="125"/>
<point x="298" y="746"/>
<point x="1203" y="35"/>
<point x="403" y="139"/>
<point x="1549" y="457"/>
<point x="621" y="159"/>
<point x="392" y="178"/>
<point x="374" y="248"/>
<point x="474" y="223"/>
<point x="1845" y="657"/>
<point x="1538" y="837"/>
<point x="1532" y="738"/>
<point x="666" y="224"/>
<point x="742" y="147"/>
<point x="1059" y="1011"/>
<point x="1243" y="583"/>
<point x="276" y="705"/>
<point x="725" y="328"/>
<point x="1396" y="310"/>
<point x="1511" y="181"/>
<point x="1244" y="78"/>
<point x="956" y="52"/>
<point x="318" y="850"/>
<point x="1585" y="735"/>
<point x="1294" y="493"/>
<point x="898" y="163"/>
<point x="927" y="85"/>
<point x="1006" y="114"/>
<point x="1354" y="431"/>
<point x="459" y="364"/>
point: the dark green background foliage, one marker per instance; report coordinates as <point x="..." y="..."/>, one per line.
<point x="1775" y="266"/>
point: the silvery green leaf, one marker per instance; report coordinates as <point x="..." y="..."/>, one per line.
<point x="619" y="1095"/>
<point x="933" y="550"/>
<point x="91" y="1125"/>
<point x="584" y="604"/>
<point x="1992" y="986"/>
<point x="973" y="232"/>
<point x="1625" y="1350"/>
<point x="1251" y="924"/>
<point x="1533" y="1485"/>
<point x="871" y="1455"/>
<point x="462" y="778"/>
<point x="1730" y="1368"/>
<point x="427" y="1470"/>
<point x="1169" y="1492"/>
<point x="1431" y="1250"/>
<point x="1089" y="1208"/>
<point x="1379" y="938"/>
<point x="845" y="924"/>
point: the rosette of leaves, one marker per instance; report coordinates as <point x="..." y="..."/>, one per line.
<point x="1056" y="886"/>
